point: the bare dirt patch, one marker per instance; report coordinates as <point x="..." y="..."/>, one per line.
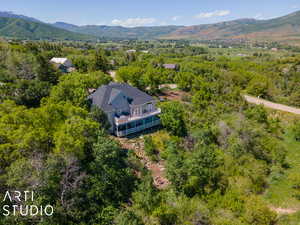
<point x="112" y="73"/>
<point x="157" y="168"/>
<point x="282" y="211"/>
<point x="173" y="95"/>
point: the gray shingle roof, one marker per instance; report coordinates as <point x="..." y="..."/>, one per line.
<point x="104" y="95"/>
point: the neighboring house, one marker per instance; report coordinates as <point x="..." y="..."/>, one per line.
<point x="171" y="66"/>
<point x="112" y="62"/>
<point x="112" y="48"/>
<point x="242" y="55"/>
<point x="128" y="109"/>
<point x="64" y="64"/>
<point x="131" y="51"/>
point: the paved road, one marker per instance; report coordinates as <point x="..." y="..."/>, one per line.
<point x="272" y="105"/>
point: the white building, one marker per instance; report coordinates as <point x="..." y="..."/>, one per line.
<point x="64" y="64"/>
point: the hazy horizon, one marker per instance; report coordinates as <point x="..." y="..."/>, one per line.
<point x="155" y="13"/>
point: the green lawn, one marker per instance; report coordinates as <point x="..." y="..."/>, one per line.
<point x="280" y="192"/>
<point x="293" y="219"/>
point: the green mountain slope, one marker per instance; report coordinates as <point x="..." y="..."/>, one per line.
<point x="120" y="32"/>
<point x="24" y="29"/>
<point x="284" y="28"/>
<point x="13" y="15"/>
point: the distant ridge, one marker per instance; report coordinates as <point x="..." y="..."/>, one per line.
<point x="9" y="14"/>
<point x="104" y="31"/>
<point x="282" y="29"/>
<point x="17" y="28"/>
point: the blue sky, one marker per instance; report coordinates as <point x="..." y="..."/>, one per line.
<point x="148" y="12"/>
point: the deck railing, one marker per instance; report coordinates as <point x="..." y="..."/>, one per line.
<point x="137" y="129"/>
<point x="126" y="119"/>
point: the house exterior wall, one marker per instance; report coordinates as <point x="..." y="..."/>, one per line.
<point x="141" y="117"/>
<point x="68" y="63"/>
<point x="137" y="126"/>
<point x="111" y="118"/>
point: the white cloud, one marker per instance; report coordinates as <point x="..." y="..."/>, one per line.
<point x="259" y="16"/>
<point x="133" y="22"/>
<point x="175" y="18"/>
<point x="163" y="23"/>
<point x="212" y="14"/>
<point x="295" y="7"/>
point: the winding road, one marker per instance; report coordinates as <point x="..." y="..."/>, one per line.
<point x="272" y="105"/>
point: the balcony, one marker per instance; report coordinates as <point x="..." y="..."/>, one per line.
<point x="128" y="119"/>
<point x="137" y="128"/>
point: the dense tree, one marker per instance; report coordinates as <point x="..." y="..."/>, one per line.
<point x="132" y="75"/>
<point x="46" y="71"/>
<point x="220" y="153"/>
<point x="152" y="79"/>
<point x="296" y="129"/>
<point x="99" y="62"/>
<point x="184" y="80"/>
<point x="74" y="87"/>
<point x="172" y="118"/>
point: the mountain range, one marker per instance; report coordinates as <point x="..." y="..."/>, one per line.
<point x="281" y="29"/>
<point x="13" y="15"/>
<point x="119" y="32"/>
<point x="26" y="28"/>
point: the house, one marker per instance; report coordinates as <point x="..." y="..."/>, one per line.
<point x="242" y="55"/>
<point x="112" y="62"/>
<point x="131" y="51"/>
<point x="112" y="49"/>
<point x="128" y="109"/>
<point x="64" y="64"/>
<point x="170" y="66"/>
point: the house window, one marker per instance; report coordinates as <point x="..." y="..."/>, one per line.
<point x="131" y="125"/>
<point x="121" y="127"/>
<point x="136" y="111"/>
<point x="149" y="107"/>
<point x="148" y="120"/>
<point x="155" y="118"/>
<point x="145" y="110"/>
<point x="139" y="123"/>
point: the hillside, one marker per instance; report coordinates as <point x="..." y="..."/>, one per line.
<point x="282" y="29"/>
<point x="24" y="29"/>
<point x="120" y="32"/>
<point x="286" y="28"/>
<point x="13" y="15"/>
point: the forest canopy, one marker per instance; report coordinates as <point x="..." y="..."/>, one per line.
<point x="219" y="153"/>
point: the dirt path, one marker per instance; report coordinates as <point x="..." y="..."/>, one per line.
<point x="157" y="169"/>
<point x="170" y="86"/>
<point x="282" y="211"/>
<point x="112" y="73"/>
<point x="272" y="105"/>
<point x="173" y="95"/>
